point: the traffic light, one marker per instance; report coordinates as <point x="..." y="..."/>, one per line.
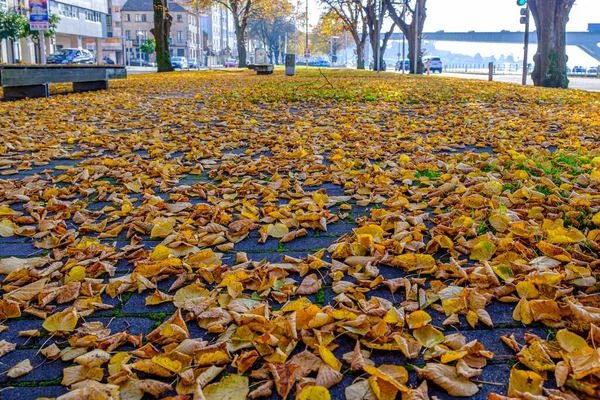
<point x="523" y="16"/>
<point x="521" y="3"/>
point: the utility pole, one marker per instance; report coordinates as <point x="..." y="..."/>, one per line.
<point x="306" y="51"/>
<point x="377" y="34"/>
<point x="403" y="40"/>
<point x="198" y="38"/>
<point x="416" y="50"/>
<point x="526" y="41"/>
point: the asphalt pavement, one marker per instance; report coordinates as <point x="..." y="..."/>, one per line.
<point x="581" y="83"/>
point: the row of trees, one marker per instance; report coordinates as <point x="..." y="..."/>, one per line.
<point x="363" y="19"/>
<point x="15" y="26"/>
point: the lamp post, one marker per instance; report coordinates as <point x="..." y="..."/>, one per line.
<point x="416" y="50"/>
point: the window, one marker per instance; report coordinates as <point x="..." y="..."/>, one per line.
<point x="128" y="34"/>
<point x="179" y="36"/>
<point x="137" y="17"/>
<point x="68" y="11"/>
<point x="179" y="18"/>
<point x="181" y="52"/>
<point x="117" y="24"/>
<point x="128" y="17"/>
<point x="92" y="16"/>
<point x="143" y="17"/>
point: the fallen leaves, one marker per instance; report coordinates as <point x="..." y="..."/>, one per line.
<point x="465" y="206"/>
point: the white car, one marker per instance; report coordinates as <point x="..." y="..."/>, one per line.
<point x="433" y="63"/>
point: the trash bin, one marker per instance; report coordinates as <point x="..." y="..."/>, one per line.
<point x="290" y="64"/>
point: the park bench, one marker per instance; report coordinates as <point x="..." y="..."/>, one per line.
<point x="19" y="82"/>
<point x="262" y="69"/>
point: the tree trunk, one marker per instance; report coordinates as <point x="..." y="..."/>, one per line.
<point x="411" y="49"/>
<point x="410" y="31"/>
<point x="551" y="17"/>
<point x="161" y="32"/>
<point x="241" y="43"/>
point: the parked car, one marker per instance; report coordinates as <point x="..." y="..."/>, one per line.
<point x="139" y="62"/>
<point x="320" y="63"/>
<point x="71" y="56"/>
<point x="592" y="71"/>
<point x="400" y="63"/>
<point x="433" y="63"/>
<point x="193" y="63"/>
<point x="108" y="60"/>
<point x="231" y="63"/>
<point x="383" y="65"/>
<point x="578" y="70"/>
<point x="179" y="63"/>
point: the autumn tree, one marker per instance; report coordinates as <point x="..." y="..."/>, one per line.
<point x="161" y="33"/>
<point x="375" y="11"/>
<point x="11" y="26"/>
<point x="402" y="11"/>
<point x="270" y="23"/>
<point x="551" y="17"/>
<point x="328" y="34"/>
<point x="352" y="16"/>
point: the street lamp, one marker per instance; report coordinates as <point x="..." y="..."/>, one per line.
<point x="331" y="47"/>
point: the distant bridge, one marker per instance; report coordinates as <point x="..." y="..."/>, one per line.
<point x="586" y="41"/>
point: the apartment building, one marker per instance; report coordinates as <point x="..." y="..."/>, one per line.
<point x="83" y="23"/>
<point x="137" y="19"/>
<point x="221" y="37"/>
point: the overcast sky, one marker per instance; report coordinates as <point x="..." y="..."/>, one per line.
<point x="492" y="16"/>
<point x="495" y="15"/>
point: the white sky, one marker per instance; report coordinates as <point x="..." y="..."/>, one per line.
<point x="492" y="16"/>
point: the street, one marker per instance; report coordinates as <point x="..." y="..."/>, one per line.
<point x="581" y="83"/>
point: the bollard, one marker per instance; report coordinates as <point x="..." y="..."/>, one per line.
<point x="290" y="64"/>
<point x="491" y="71"/>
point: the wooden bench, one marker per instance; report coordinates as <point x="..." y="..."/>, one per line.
<point x="20" y="82"/>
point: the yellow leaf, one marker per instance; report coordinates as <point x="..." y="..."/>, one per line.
<point x="277" y="230"/>
<point x="232" y="277"/>
<point x="64" y="321"/>
<point x="418" y="319"/>
<point x="299" y="304"/>
<point x="428" y="336"/>
<point x="76" y="274"/>
<point x="596" y="219"/>
<point x="167" y="363"/>
<point x="394" y="374"/>
<point x="329" y="358"/>
<point x="484" y="250"/>
<point x="6" y="211"/>
<point x="570" y="341"/>
<point x="524" y="382"/>
<point x="232" y="387"/>
<point x="375" y="231"/>
<point x="161" y="229"/>
<point x="161" y="252"/>
<point x="314" y="393"/>
<point x="527" y="290"/>
<point x="499" y="222"/>
<point x="7" y="228"/>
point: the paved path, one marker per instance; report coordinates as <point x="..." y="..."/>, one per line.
<point x="130" y="311"/>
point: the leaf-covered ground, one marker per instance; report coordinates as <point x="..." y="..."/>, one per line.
<point x="213" y="235"/>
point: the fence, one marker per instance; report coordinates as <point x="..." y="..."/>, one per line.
<point x="482" y="68"/>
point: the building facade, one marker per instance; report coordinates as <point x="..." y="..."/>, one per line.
<point x="83" y="23"/>
<point x="137" y="19"/>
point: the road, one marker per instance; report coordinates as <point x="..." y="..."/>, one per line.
<point x="589" y="84"/>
